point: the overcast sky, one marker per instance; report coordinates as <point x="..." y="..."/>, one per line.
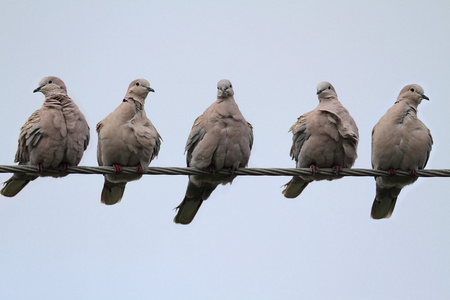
<point x="57" y="241"/>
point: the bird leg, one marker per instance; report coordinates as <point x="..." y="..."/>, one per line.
<point x="139" y="169"/>
<point x="336" y="169"/>
<point x="314" y="169"/>
<point x="212" y="169"/>
<point x="117" y="168"/>
<point x="391" y="172"/>
<point x="63" y="166"/>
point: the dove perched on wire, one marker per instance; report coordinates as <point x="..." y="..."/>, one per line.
<point x="400" y="141"/>
<point x="55" y="136"/>
<point x="126" y="137"/>
<point x="326" y="137"/>
<point x="220" y="139"/>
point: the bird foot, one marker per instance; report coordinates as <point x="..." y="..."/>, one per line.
<point x="314" y="169"/>
<point x="40" y="167"/>
<point x="139" y="169"/>
<point x="63" y="167"/>
<point x="212" y="169"/>
<point x="391" y="172"/>
<point x="336" y="169"/>
<point x="413" y="173"/>
<point x="117" y="168"/>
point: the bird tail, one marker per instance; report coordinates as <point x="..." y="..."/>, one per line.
<point x="384" y="203"/>
<point x="112" y="193"/>
<point x="15" y="184"/>
<point x="187" y="210"/>
<point x="294" y="187"/>
<point x="195" y="195"/>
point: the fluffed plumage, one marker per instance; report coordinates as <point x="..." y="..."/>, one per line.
<point x="400" y="141"/>
<point x="126" y="137"/>
<point x="326" y="137"/>
<point x="220" y="139"/>
<point x="55" y="136"/>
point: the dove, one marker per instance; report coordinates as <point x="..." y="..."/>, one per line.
<point x="55" y="136"/>
<point x="126" y="137"/>
<point x="400" y="141"/>
<point x="326" y="137"/>
<point x="220" y="139"/>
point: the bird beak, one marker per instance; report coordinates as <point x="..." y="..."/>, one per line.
<point x="150" y="89"/>
<point x="224" y="90"/>
<point x="320" y="91"/>
<point x="425" y="97"/>
<point x="37" y="89"/>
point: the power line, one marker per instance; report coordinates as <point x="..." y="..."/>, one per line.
<point x="241" y="172"/>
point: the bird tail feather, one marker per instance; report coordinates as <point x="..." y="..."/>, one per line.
<point x="294" y="187"/>
<point x="15" y="184"/>
<point x="112" y="193"/>
<point x="384" y="203"/>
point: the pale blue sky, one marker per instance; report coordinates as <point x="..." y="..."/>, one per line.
<point x="247" y="241"/>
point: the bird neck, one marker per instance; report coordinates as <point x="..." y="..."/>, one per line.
<point x="133" y="100"/>
<point x="224" y="98"/>
<point x="408" y="101"/>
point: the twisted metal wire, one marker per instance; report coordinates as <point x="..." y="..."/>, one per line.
<point x="240" y="172"/>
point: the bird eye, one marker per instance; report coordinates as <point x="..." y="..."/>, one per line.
<point x="412" y="89"/>
<point x="138" y="83"/>
<point x="329" y="87"/>
<point x="231" y="85"/>
<point x="49" y="82"/>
